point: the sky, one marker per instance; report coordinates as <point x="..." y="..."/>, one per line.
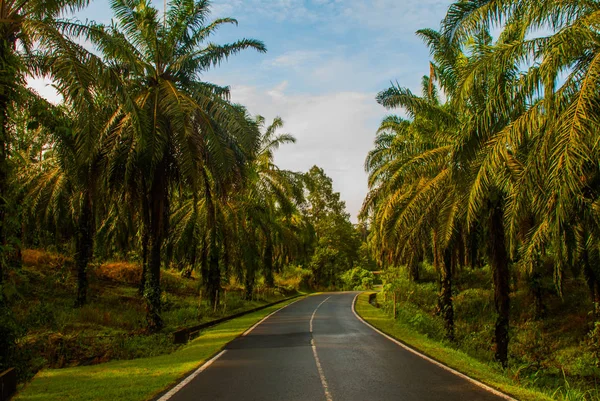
<point x="325" y="63"/>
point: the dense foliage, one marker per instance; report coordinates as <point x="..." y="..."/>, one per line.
<point x="144" y="161"/>
<point x="497" y="162"/>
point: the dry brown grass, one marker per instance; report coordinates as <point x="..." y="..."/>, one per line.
<point x="125" y="272"/>
<point x="39" y="258"/>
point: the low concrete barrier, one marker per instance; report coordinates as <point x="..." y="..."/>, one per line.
<point x="182" y="336"/>
<point x="8" y="383"/>
<point x="373" y="300"/>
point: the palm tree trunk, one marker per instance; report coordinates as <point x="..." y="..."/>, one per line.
<point x="203" y="258"/>
<point x="446" y="306"/>
<point x="145" y="240"/>
<point x="441" y="261"/>
<point x="473" y="247"/>
<point x="414" y="267"/>
<point x="498" y="258"/>
<point x="268" y="263"/>
<point x="169" y="254"/>
<point x="8" y="78"/>
<point x="213" y="278"/>
<point x="212" y="275"/>
<point x="535" y="287"/>
<point x="250" y="279"/>
<point x="158" y="213"/>
<point x="84" y="248"/>
<point x="591" y="280"/>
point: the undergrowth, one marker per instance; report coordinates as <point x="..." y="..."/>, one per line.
<point x="55" y="334"/>
<point x="555" y="354"/>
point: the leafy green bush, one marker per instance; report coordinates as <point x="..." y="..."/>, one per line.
<point x="294" y="278"/>
<point x="357" y="279"/>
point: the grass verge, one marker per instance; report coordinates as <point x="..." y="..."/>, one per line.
<point x="443" y="353"/>
<point x="138" y="379"/>
<point x="52" y="333"/>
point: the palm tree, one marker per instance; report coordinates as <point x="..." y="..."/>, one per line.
<point x="272" y="197"/>
<point x="170" y="127"/>
<point x="23" y="23"/>
<point x="413" y="198"/>
<point x="66" y="180"/>
<point x="540" y="155"/>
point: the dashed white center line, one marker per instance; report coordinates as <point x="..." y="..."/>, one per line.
<point x="314" y="350"/>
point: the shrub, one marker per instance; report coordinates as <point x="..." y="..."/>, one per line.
<point x="129" y="273"/>
<point x="294" y="278"/>
<point x="357" y="279"/>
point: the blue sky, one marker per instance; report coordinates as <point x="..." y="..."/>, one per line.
<point x="326" y="61"/>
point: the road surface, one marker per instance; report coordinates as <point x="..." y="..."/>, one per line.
<point x="317" y="349"/>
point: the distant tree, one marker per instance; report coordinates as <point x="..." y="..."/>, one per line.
<point x="336" y="244"/>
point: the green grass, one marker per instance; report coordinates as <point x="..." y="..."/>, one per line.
<point x="55" y="334"/>
<point x="138" y="379"/>
<point x="441" y="352"/>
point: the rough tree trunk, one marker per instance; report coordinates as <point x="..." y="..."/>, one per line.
<point x="158" y="214"/>
<point x="193" y="258"/>
<point x="498" y="258"/>
<point x="473" y="247"/>
<point x="591" y="279"/>
<point x="413" y="268"/>
<point x="213" y="279"/>
<point x="84" y="244"/>
<point x="268" y="264"/>
<point x="169" y="254"/>
<point x="535" y="286"/>
<point x="145" y="240"/>
<point x="462" y="254"/>
<point x="442" y="262"/>
<point x="447" y="309"/>
<point x="249" y="280"/>
<point x="8" y="79"/>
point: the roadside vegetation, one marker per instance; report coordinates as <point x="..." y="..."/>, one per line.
<point x="405" y="329"/>
<point x="483" y="202"/>
<point x="138" y="379"/>
<point x="145" y="201"/>
<point x="55" y="334"/>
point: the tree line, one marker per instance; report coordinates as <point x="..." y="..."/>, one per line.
<point x="143" y="157"/>
<point x="497" y="160"/>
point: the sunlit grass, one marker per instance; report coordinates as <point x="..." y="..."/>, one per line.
<point x="138" y="379"/>
<point x="442" y="352"/>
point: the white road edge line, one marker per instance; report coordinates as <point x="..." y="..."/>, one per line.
<point x="268" y="316"/>
<point x="192" y="376"/>
<point x="441" y="365"/>
<point x="317" y="360"/>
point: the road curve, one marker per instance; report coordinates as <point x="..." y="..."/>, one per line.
<point x="317" y="349"/>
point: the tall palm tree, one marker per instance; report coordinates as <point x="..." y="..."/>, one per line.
<point x="272" y="197"/>
<point x="413" y="198"/>
<point x="170" y="126"/>
<point x="23" y="23"/>
<point x="67" y="180"/>
<point x="541" y="153"/>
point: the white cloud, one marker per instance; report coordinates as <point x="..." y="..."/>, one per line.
<point x="334" y="131"/>
<point x="295" y="58"/>
<point x="277" y="92"/>
<point x="43" y="86"/>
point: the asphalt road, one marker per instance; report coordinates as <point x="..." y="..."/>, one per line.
<point x="336" y="357"/>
